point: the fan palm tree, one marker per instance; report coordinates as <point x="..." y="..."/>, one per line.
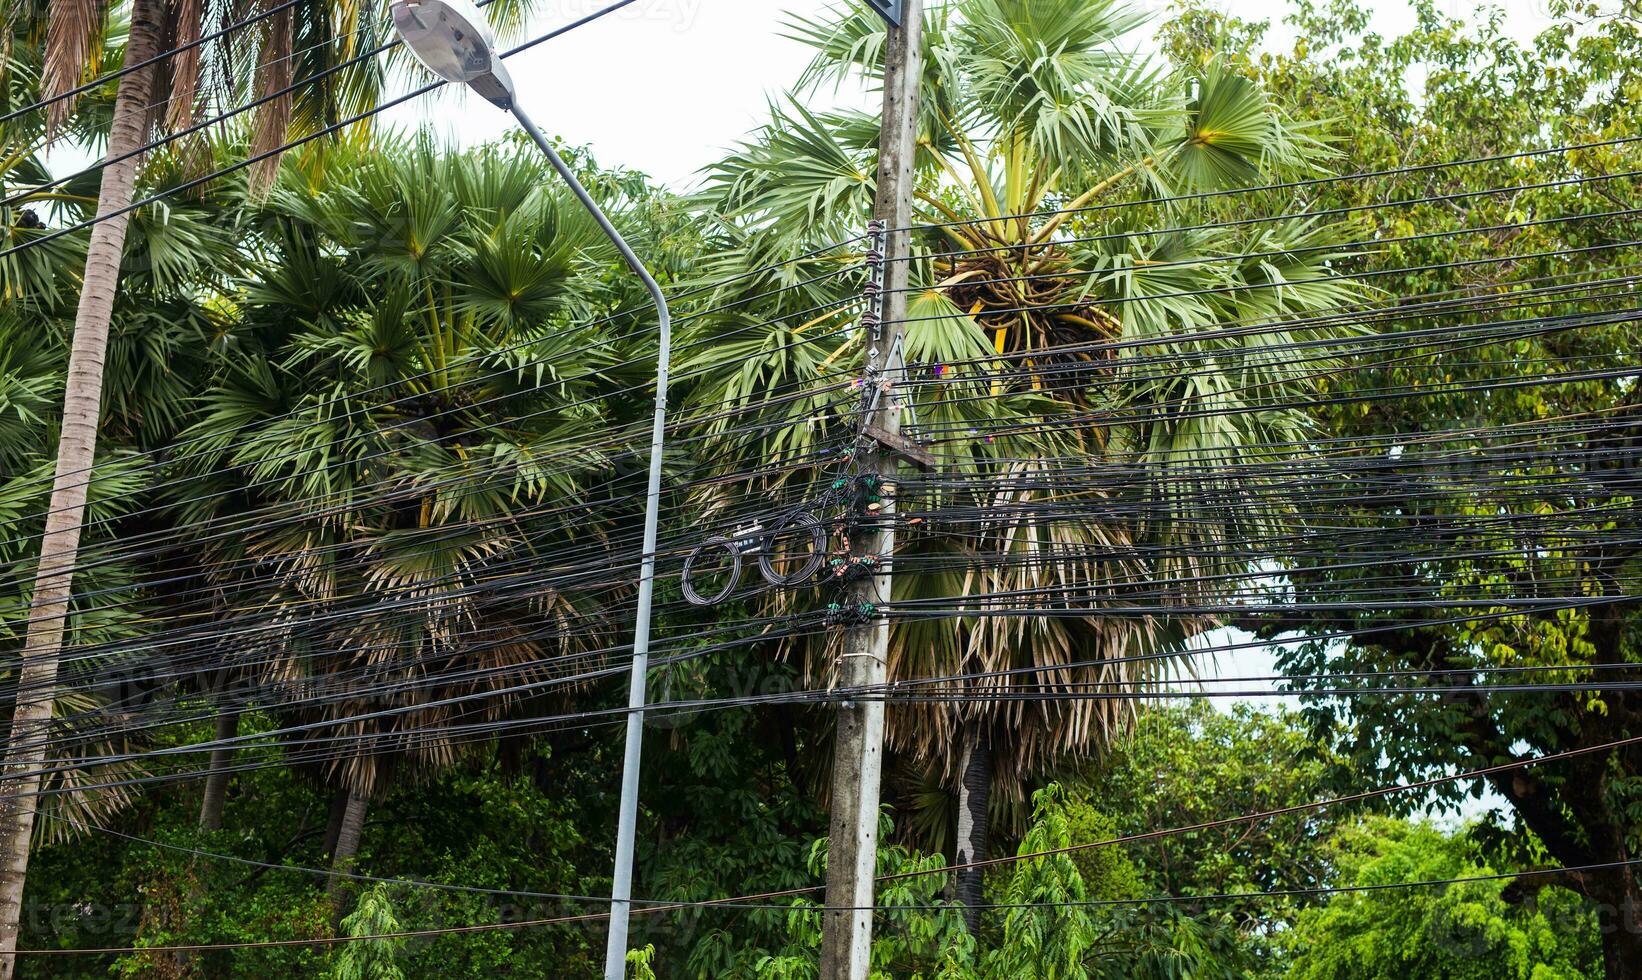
<point x="293" y="43"/>
<point x="1053" y="336"/>
<point x="31" y="380"/>
<point x="408" y="573"/>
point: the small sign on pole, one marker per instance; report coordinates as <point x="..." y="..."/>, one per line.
<point x="890" y="10"/>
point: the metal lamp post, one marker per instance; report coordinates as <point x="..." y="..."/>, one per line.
<point x="454" y="40"/>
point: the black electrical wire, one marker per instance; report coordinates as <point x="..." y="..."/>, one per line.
<point x="290" y="144"/>
<point x="1287" y="185"/>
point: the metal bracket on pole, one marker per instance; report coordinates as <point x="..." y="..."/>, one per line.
<point x="890" y="10"/>
<point x="901" y="446"/>
<point x="893" y="371"/>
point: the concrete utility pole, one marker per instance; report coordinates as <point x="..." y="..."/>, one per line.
<point x="846" y="943"/>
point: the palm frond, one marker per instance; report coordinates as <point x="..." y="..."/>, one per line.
<point x="70" y="46"/>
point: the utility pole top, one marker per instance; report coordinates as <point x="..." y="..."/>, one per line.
<point x="890" y="10"/>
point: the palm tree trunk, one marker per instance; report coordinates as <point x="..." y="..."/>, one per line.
<point x="76" y="447"/>
<point x="974" y="796"/>
<point x="347" y="846"/>
<point x="333" y="825"/>
<point x="216" y="784"/>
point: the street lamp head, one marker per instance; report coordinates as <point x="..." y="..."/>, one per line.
<point x="453" y="39"/>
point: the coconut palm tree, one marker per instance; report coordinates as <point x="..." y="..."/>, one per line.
<point x="408" y="410"/>
<point x="162" y="325"/>
<point x="71" y="34"/>
<point x="1081" y="474"/>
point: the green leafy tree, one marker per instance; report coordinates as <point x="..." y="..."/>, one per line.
<point x="640" y="960"/>
<point x="1468" y="930"/>
<point x="1194" y="764"/>
<point x="529" y="825"/>
<point x="370" y="958"/>
<point x="1520" y="253"/>
<point x="732" y="816"/>
<point x="1051" y="920"/>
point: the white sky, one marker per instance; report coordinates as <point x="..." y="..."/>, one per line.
<point x="664" y="86"/>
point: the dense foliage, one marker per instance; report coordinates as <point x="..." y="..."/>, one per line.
<point x="1542" y="250"/>
<point x="333" y="345"/>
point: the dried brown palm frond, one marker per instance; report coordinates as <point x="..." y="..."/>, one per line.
<point x="87" y="795"/>
<point x="71" y="46"/>
<point x="11" y="14"/>
<point x="274" y="73"/>
<point x="188" y="17"/>
<point x="1077" y="572"/>
<point x="434" y="648"/>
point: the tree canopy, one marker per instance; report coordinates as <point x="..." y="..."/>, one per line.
<point x="364" y="506"/>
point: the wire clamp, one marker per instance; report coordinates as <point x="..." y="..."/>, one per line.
<point x="850" y="614"/>
<point x="872" y="319"/>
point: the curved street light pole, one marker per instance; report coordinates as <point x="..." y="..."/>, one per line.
<point x="453" y="39"/>
<point x="621" y="886"/>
